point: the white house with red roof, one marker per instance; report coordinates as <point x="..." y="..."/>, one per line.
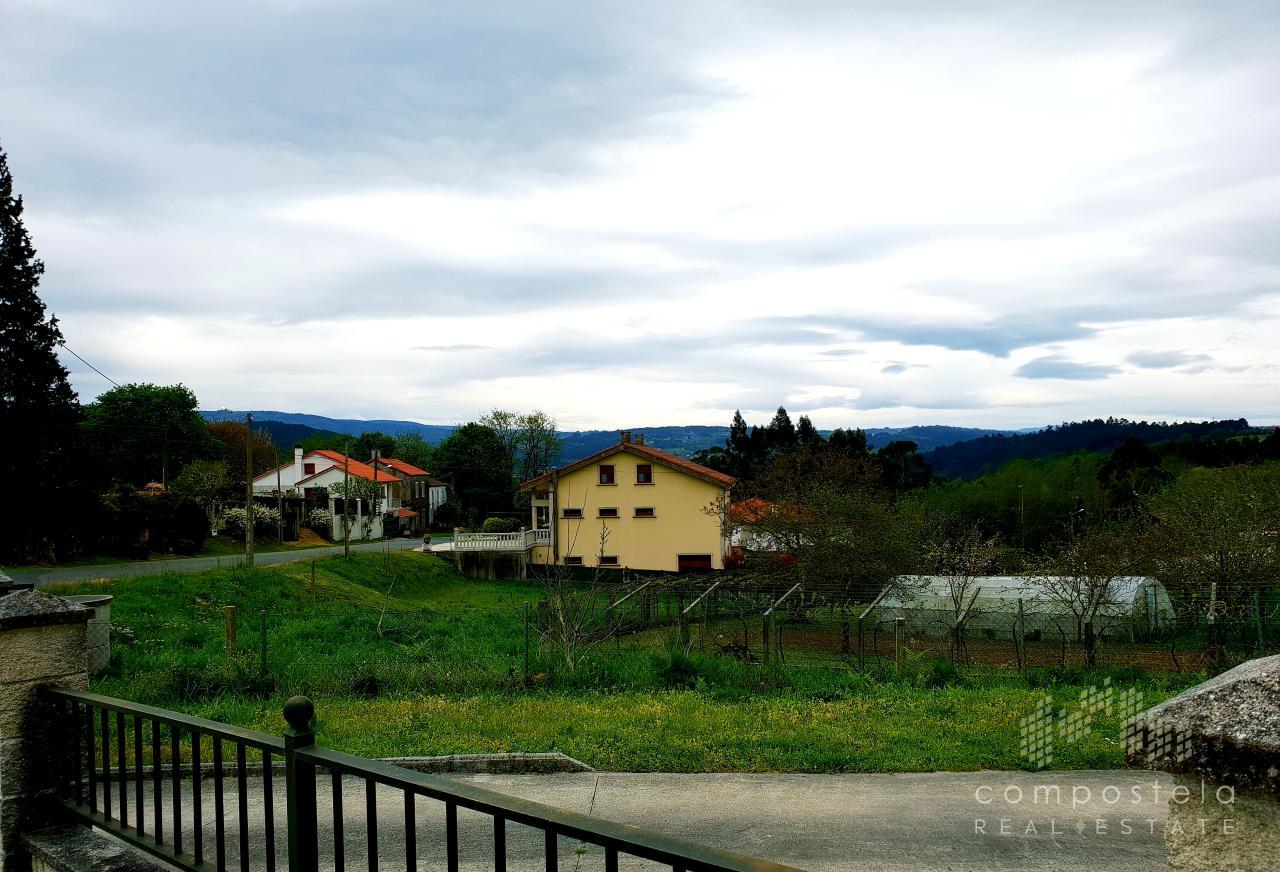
<point x="307" y="482"/>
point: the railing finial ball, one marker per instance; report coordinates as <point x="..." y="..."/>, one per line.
<point x="298" y="712"/>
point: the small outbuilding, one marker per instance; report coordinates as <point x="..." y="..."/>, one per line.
<point x="990" y="605"/>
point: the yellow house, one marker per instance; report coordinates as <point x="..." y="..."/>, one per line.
<point x="657" y="510"/>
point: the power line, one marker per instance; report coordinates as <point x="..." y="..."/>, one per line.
<point x="88" y="364"/>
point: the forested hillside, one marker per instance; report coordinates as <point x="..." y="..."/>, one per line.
<point x="976" y="456"/>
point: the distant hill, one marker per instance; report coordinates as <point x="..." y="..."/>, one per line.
<point x="287" y="428"/>
<point x="973" y="457"/>
<point x="432" y="433"/>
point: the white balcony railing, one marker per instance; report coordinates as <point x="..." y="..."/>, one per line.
<point x="519" y="541"/>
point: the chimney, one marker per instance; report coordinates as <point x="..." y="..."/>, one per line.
<point x="639" y="438"/>
<point x="626" y="437"/>
<point x="297" y="464"/>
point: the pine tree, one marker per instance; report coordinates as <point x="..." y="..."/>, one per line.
<point x="782" y="433"/>
<point x="808" y="434"/>
<point x="39" y="412"/>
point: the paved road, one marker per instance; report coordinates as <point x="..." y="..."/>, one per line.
<point x="197" y="564"/>
<point x="839" y="823"/>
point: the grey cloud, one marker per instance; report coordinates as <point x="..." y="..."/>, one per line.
<point x="1056" y="366"/>
<point x="998" y="338"/>
<point x="1166" y="359"/>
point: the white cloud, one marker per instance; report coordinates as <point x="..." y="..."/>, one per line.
<point x="885" y="217"/>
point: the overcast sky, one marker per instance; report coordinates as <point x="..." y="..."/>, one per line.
<point x="647" y="213"/>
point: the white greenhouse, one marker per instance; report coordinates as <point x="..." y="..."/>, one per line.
<point x="990" y="605"/>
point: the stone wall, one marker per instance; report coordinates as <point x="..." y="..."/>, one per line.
<point x="42" y="642"/>
<point x="1221" y="739"/>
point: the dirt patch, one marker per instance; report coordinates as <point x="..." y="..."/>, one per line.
<point x="309" y="539"/>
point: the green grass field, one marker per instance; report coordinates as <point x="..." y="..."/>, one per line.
<point x="404" y="657"/>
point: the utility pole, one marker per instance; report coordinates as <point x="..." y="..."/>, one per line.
<point x="248" y="488"/>
<point x="373" y="509"/>
<point x="279" y="503"/>
<point x="346" y="501"/>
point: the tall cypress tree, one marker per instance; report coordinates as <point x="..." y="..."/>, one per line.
<point x="39" y="412"/>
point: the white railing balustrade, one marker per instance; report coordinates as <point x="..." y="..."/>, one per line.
<point x="518" y="541"/>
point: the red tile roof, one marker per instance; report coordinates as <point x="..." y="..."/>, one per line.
<point x="648" y="452"/>
<point x="401" y="466"/>
<point x="355" y="467"/>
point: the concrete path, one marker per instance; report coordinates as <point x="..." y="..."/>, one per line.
<point x="55" y="574"/>
<point x="1095" y="821"/>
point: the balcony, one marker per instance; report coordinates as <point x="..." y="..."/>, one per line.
<point x="522" y="540"/>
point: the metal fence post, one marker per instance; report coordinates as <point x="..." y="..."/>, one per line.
<point x="526" y="643"/>
<point x="764" y="638"/>
<point x="229" y="614"/>
<point x="862" y="650"/>
<point x="1020" y="638"/>
<point x="300" y="786"/>
<point x="897" y="641"/>
<point x="264" y="642"/>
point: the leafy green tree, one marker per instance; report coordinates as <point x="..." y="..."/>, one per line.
<point x="412" y="448"/>
<point x="529" y="440"/>
<point x="781" y="433"/>
<point x="363" y="446"/>
<point x="852" y="443"/>
<point x="209" y="484"/>
<point x="476" y="463"/>
<point x="1131" y="472"/>
<point x="39" y="412"/>
<point x="843" y="534"/>
<point x="902" y="467"/>
<point x="143" y="432"/>
<point x="1215" y="532"/>
<point x="229" y="436"/>
<point x="1028" y="503"/>
<point x="807" y="434"/>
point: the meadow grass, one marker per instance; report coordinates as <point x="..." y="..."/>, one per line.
<point x="402" y="656"/>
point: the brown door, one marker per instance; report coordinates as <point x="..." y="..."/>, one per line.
<point x="693" y="562"/>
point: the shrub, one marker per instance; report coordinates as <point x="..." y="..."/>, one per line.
<point x="266" y="520"/>
<point x="321" y="520"/>
<point x="499" y="525"/>
<point x="446" y="516"/>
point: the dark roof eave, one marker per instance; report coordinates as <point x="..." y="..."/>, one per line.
<point x="651" y="454"/>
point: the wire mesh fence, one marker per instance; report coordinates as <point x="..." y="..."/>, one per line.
<point x="813" y="628"/>
<point x="630" y="619"/>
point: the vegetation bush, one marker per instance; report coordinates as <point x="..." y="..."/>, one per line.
<point x="499" y="525"/>
<point x="321" y="521"/>
<point x="266" y="520"/>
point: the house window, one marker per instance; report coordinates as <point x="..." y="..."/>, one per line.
<point x="573" y="561"/>
<point x="608" y="513"/>
<point x="572" y="513"/>
<point x="644" y="473"/>
<point x="606" y="473"/>
<point x="308" y="469"/>
<point x="608" y="559"/>
<point x="644" y="512"/>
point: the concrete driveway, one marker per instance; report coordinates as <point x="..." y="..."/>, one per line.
<point x="56" y="574"/>
<point x="931" y="822"/>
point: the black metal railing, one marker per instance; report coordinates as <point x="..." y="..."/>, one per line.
<point x="162" y="780"/>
